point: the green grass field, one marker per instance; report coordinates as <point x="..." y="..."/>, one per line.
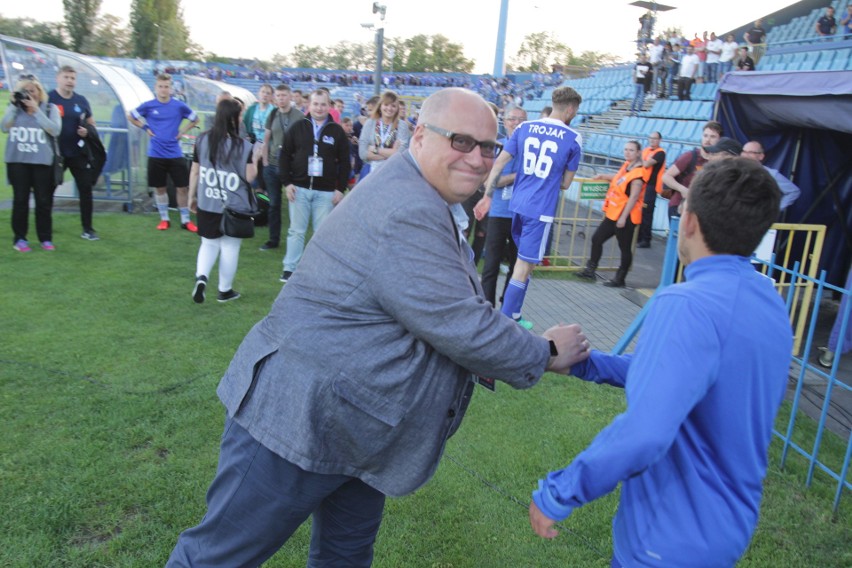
<point x="111" y="425"/>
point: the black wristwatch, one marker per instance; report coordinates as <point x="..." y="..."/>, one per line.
<point x="553" y="351"/>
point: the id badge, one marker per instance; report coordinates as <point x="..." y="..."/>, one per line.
<point x="315" y="166"/>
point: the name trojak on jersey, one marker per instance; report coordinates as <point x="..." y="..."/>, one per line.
<point x="547" y="130"/>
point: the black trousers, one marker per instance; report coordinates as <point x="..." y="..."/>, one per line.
<point x="684" y="88"/>
<point x="624" y="236"/>
<point x="82" y="174"/>
<point x="498" y="245"/>
<point x="647" y="215"/>
<point x="39" y="179"/>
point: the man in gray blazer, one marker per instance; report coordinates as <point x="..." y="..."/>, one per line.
<point x="349" y="389"/>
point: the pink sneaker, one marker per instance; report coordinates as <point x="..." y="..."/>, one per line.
<point x="22" y="246"/>
<point x="47" y="245"/>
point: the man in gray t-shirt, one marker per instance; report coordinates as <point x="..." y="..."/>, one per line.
<point x="282" y="116"/>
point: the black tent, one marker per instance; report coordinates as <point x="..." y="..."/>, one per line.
<point x="804" y="121"/>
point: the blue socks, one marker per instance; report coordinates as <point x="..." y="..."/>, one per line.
<point x="513" y="301"/>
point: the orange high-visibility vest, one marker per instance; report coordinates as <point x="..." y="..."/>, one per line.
<point x="616" y="197"/>
<point x="647" y="154"/>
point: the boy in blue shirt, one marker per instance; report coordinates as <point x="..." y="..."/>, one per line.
<point x="163" y="117"/>
<point x="550" y="153"/>
<point x="703" y="389"/>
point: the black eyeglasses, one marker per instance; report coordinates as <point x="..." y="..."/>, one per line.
<point x="466" y="144"/>
<point x="26" y="77"/>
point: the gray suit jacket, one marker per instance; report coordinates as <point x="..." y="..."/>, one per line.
<point x="363" y="366"/>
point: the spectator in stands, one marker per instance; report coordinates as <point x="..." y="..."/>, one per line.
<point x="223" y="167"/>
<point x="790" y="192"/>
<point x="700" y="46"/>
<point x="163" y="118"/>
<point x="703" y="390"/>
<point x="672" y="57"/>
<point x="280" y="119"/>
<point x="846" y="22"/>
<point x="714" y="53"/>
<point x="622" y="212"/>
<point x="640" y="72"/>
<point x="655" y="58"/>
<point x="314" y="168"/>
<point x="31" y="120"/>
<point x="826" y="25"/>
<point x="679" y="175"/>
<point x="745" y="63"/>
<point x="499" y="244"/>
<point x="688" y="68"/>
<point x="654" y="162"/>
<point x="755" y="37"/>
<point x="340" y="106"/>
<point x="537" y="188"/>
<point x="729" y="51"/>
<point x="383" y="134"/>
<point x="545" y="111"/>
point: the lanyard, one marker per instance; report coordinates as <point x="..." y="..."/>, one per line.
<point x="317" y="131"/>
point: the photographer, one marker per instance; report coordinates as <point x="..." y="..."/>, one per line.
<point x="32" y="124"/>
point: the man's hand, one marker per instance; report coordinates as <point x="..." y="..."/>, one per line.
<point x="542" y="525"/>
<point x="621" y="223"/>
<point x="571" y="344"/>
<point x="338" y="196"/>
<point x="480" y="210"/>
<point x="82" y="132"/>
<point x="291" y="193"/>
<point x="193" y="204"/>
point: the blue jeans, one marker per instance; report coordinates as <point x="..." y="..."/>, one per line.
<point x="712" y="74"/>
<point x="725" y="67"/>
<point x="257" y="501"/>
<point x="309" y="204"/>
<point x="638" y="95"/>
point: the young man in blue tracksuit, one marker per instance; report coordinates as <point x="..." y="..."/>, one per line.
<point x="703" y="389"/>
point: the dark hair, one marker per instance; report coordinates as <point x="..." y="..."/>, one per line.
<point x="713" y="125"/>
<point x="635" y="143"/>
<point x="736" y="201"/>
<point x="283" y="87"/>
<point x="226" y="126"/>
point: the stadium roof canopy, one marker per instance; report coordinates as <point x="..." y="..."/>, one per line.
<point x="653" y="6"/>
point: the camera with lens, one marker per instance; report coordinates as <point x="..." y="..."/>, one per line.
<point x="18" y="98"/>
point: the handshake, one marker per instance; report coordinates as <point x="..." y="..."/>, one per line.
<point x="571" y="347"/>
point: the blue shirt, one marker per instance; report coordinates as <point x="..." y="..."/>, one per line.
<point x="500" y="205"/>
<point x="703" y="389"/>
<point x="547" y="148"/>
<point x="164" y="120"/>
<point x="74" y="112"/>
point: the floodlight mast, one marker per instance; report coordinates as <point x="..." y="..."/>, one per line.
<point x="381" y="10"/>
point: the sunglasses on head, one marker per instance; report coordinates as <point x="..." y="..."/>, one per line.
<point x="466" y="144"/>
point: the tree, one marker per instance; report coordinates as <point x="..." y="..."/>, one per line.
<point x="539" y="52"/>
<point x="43" y="32"/>
<point x="160" y="23"/>
<point x="109" y="39"/>
<point x="308" y="57"/>
<point x="80" y="19"/>
<point x="430" y="54"/>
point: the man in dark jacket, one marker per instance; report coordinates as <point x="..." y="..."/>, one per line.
<point x="314" y="167"/>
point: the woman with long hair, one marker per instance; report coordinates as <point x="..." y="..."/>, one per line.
<point x="32" y="124"/>
<point x="223" y="167"/>
<point x="383" y="135"/>
<point x="622" y="212"/>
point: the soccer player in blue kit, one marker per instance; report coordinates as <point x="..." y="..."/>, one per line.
<point x="163" y="117"/>
<point x="550" y="154"/>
